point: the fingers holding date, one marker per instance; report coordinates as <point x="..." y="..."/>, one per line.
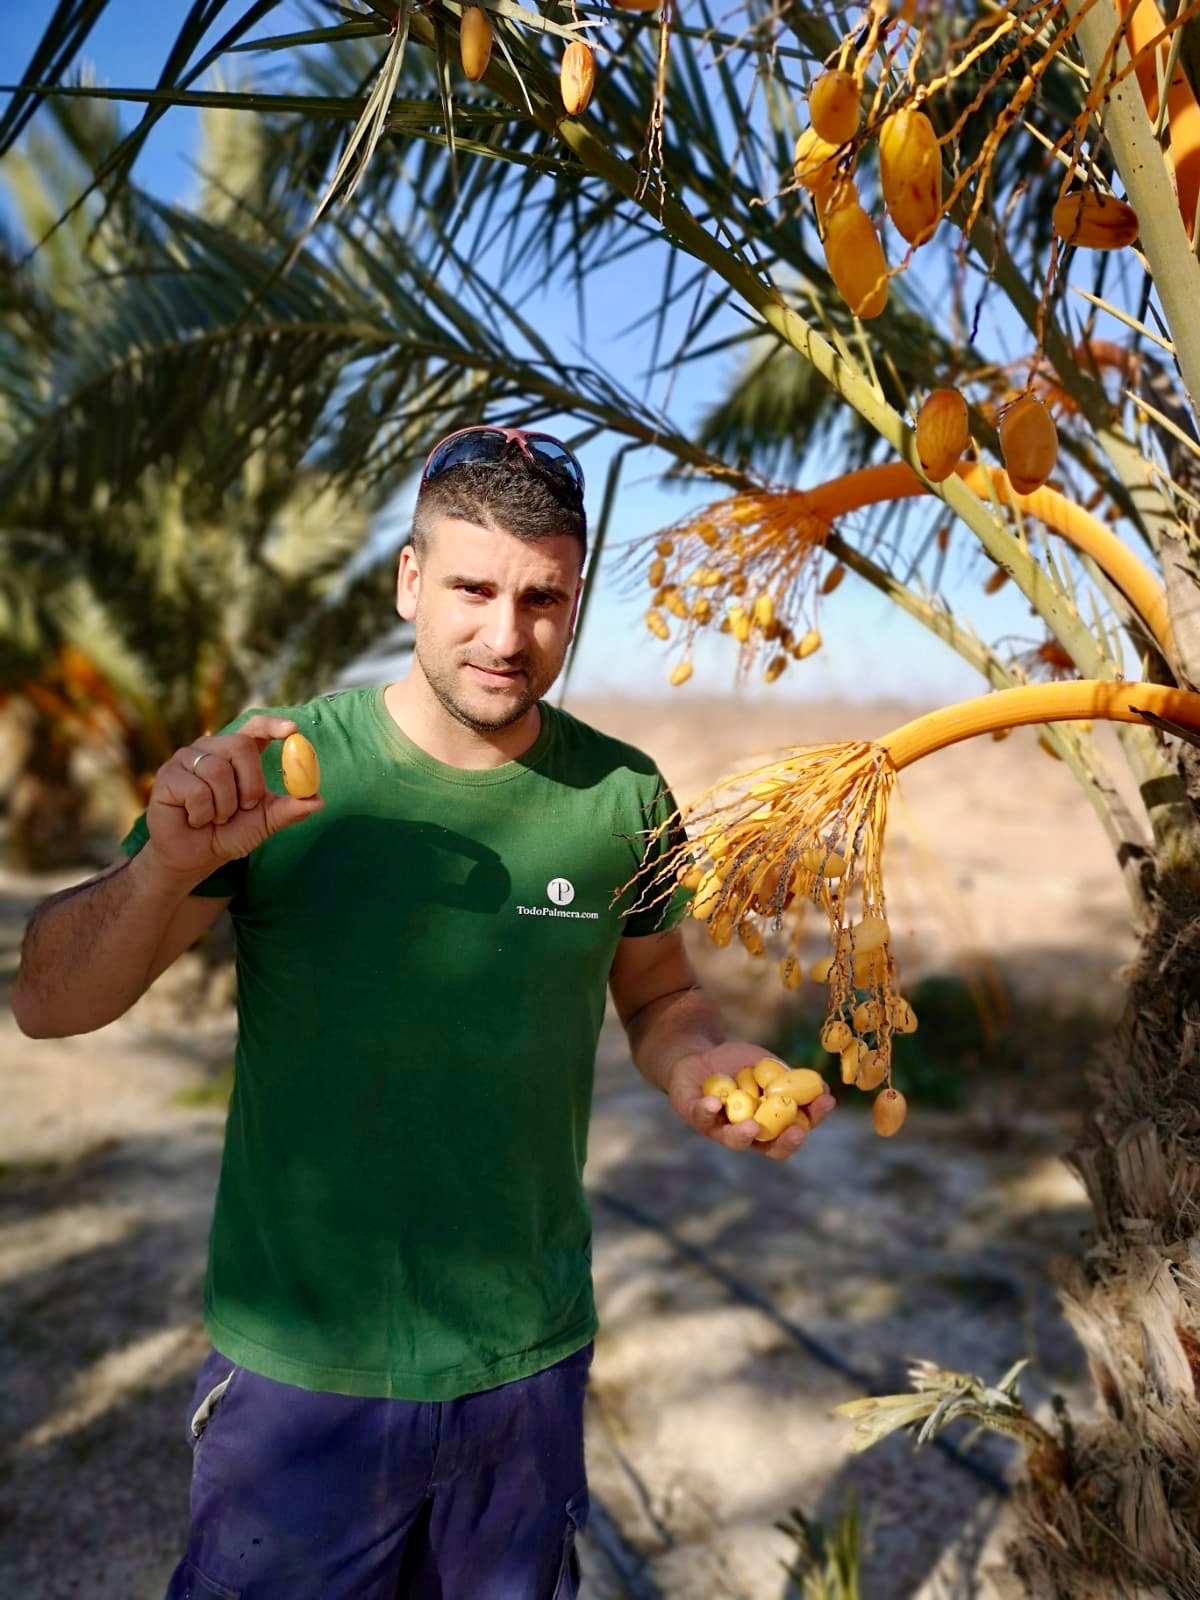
<point x="211" y="803"/>
<point x="301" y="769"/>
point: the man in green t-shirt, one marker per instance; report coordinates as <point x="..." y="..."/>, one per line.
<point x="399" y="1288"/>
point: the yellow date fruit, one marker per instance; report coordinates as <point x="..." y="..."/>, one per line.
<point x="740" y="1106"/>
<point x="833" y="104"/>
<point x="719" y="1084"/>
<point x="870" y="968"/>
<point x="943" y="433"/>
<point x="800" y="1084"/>
<point x="748" y="1083"/>
<point x="856" y="262"/>
<point x="708" y="893"/>
<point x="888" y="1111"/>
<point x="835" y="1036"/>
<point x="826" y="862"/>
<point x="577" y="79"/>
<point x="767" y="1070"/>
<point x="910" y="173"/>
<point x="773" y="1115"/>
<point x="851" y="1057"/>
<point x="872" y="933"/>
<point x="808" y="644"/>
<point x="475" y="42"/>
<point x="867" y="1016"/>
<point x="1028" y="443"/>
<point x="872" y="1070"/>
<point x="904" y="1018"/>
<point x="1095" y="221"/>
<point x="816" y="160"/>
<point x="301" y="769"/>
<point x="763" y="884"/>
<point x="832" y="193"/>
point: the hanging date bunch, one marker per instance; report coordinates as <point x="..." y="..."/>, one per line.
<point x="800" y="841"/>
<point x="753" y="566"/>
<point x="896" y="98"/>
<point x="759" y="565"/>
<point x="847" y="114"/>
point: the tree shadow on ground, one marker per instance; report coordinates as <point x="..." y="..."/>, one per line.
<point x="935" y="1244"/>
<point x="855" y="1258"/>
<point x="101" y="1343"/>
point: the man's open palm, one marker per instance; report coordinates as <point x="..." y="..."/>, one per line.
<point x="706" y="1114"/>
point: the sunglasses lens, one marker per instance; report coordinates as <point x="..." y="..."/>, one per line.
<point x="481" y="444"/>
<point x="549" y="453"/>
<point x="490" y="444"/>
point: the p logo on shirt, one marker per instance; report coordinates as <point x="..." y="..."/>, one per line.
<point x="560" y="891"/>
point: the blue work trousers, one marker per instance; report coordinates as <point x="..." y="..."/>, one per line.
<point x="299" y="1495"/>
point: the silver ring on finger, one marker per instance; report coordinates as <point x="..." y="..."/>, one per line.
<point x="196" y="760"/>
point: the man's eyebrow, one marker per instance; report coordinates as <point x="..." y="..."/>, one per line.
<point x="453" y="580"/>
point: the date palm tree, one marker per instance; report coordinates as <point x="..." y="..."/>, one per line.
<point x="143" y="603"/>
<point x="425" y="195"/>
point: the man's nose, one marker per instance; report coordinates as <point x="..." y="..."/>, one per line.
<point x="503" y="633"/>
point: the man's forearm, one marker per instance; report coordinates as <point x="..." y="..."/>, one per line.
<point x="87" y="952"/>
<point x="680" y="1024"/>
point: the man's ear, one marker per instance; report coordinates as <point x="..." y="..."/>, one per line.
<point x="408" y="584"/>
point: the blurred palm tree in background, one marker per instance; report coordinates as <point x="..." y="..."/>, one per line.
<point x="232" y="331"/>
<point x="151" y="587"/>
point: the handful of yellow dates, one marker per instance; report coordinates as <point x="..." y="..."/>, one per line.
<point x="774" y="1095"/>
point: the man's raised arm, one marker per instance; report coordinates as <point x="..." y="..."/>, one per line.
<point x="94" y="949"/>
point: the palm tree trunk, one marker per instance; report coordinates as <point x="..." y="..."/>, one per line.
<point x="1118" y="1514"/>
<point x="48" y="804"/>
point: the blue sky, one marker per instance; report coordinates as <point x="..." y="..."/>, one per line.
<point x="871" y="649"/>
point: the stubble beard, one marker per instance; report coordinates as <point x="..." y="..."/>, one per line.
<point x="445" y="681"/>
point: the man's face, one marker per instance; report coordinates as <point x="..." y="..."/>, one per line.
<point x="494" y="615"/>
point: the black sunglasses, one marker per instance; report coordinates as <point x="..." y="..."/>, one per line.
<point x="492" y="444"/>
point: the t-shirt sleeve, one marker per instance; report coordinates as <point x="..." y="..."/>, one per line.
<point x="227" y="882"/>
<point x="659" y="901"/>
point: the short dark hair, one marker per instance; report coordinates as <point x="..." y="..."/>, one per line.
<point x="512" y="495"/>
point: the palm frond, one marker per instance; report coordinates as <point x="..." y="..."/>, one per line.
<point x="58" y="48"/>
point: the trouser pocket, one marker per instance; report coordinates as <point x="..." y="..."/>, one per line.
<point x="212" y="1386"/>
<point x="567" y="1587"/>
<point x="189" y="1583"/>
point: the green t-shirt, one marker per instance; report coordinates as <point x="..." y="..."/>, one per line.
<point x="421" y="973"/>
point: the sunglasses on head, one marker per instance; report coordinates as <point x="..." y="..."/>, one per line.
<point x="492" y="444"/>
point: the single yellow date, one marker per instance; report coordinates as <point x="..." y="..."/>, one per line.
<point x="301" y="769"/>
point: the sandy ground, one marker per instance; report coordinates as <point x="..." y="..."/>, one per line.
<point x="739" y="1300"/>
